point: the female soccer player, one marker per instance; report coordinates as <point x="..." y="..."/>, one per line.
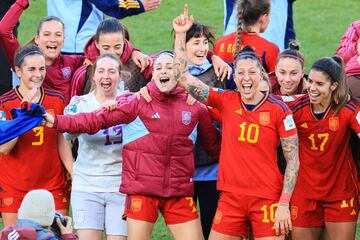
<point x="326" y="193"/>
<point x="253" y="123"/>
<point x="158" y="144"/>
<point x="288" y="78"/>
<point x="32" y="160"/>
<point x="97" y="205"/>
<point x="198" y="39"/>
<point x="253" y="19"/>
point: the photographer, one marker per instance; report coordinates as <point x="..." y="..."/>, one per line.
<point x="36" y="214"/>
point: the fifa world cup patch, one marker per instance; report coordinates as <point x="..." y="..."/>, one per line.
<point x="358" y="117"/>
<point x="289" y="123"/>
<point x="136" y="204"/>
<point x="334" y="123"/>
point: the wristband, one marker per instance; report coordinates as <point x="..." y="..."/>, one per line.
<point x="285" y="198"/>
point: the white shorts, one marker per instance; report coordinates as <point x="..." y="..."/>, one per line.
<point x="100" y="211"/>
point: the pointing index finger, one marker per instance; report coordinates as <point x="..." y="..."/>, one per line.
<point x="186" y="11"/>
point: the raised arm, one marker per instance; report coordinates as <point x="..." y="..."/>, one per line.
<point x="197" y="89"/>
<point x="8" y="40"/>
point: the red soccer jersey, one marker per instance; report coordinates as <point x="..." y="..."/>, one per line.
<point x="248" y="159"/>
<point x="34" y="162"/>
<point x="267" y="51"/>
<point x="327" y="170"/>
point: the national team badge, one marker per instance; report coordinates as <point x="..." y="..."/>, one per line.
<point x="8" y="201"/>
<point x="186" y="117"/>
<point x="264" y="118"/>
<point x="217" y="217"/>
<point x="294" y="212"/>
<point x="334" y="123"/>
<point x="2" y="115"/>
<point x="136" y="204"/>
<point x="66" y="72"/>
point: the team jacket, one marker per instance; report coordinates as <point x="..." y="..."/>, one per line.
<point x="82" y="75"/>
<point x="158" y="140"/>
<point x="59" y="74"/>
<point x="348" y="49"/>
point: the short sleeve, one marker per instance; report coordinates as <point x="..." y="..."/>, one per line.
<point x="286" y="124"/>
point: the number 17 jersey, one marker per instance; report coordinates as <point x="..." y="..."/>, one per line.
<point x="327" y="170"/>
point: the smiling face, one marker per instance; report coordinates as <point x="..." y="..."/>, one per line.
<point x="197" y="49"/>
<point x="111" y="43"/>
<point x="320" y="89"/>
<point x="106" y="76"/>
<point x="31" y="72"/>
<point x="50" y="39"/>
<point x="163" y="73"/>
<point x="289" y="73"/>
<point x="247" y="78"/>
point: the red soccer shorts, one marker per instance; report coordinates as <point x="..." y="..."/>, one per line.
<point x="174" y="210"/>
<point x="312" y="213"/>
<point x="10" y="201"/>
<point x="235" y="214"/>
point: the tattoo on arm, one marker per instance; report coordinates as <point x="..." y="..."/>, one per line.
<point x="197" y="89"/>
<point x="290" y="147"/>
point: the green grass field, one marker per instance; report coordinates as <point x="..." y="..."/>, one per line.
<point x="319" y="25"/>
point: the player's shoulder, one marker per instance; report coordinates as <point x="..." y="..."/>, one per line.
<point x="53" y="94"/>
<point x="277" y="102"/>
<point x="8" y="97"/>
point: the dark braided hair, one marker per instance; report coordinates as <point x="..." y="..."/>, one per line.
<point x="249" y="12"/>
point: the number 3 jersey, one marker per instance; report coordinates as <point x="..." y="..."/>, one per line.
<point x="98" y="166"/>
<point x="327" y="170"/>
<point x="34" y="161"/>
<point x="248" y="159"/>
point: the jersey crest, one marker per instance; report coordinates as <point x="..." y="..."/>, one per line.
<point x="334" y="123"/>
<point x="66" y="72"/>
<point x="264" y="118"/>
<point x="186" y="117"/>
<point x="136" y="204"/>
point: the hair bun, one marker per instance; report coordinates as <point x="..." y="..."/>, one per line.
<point x="294" y="45"/>
<point x="338" y="59"/>
<point x="247" y="48"/>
